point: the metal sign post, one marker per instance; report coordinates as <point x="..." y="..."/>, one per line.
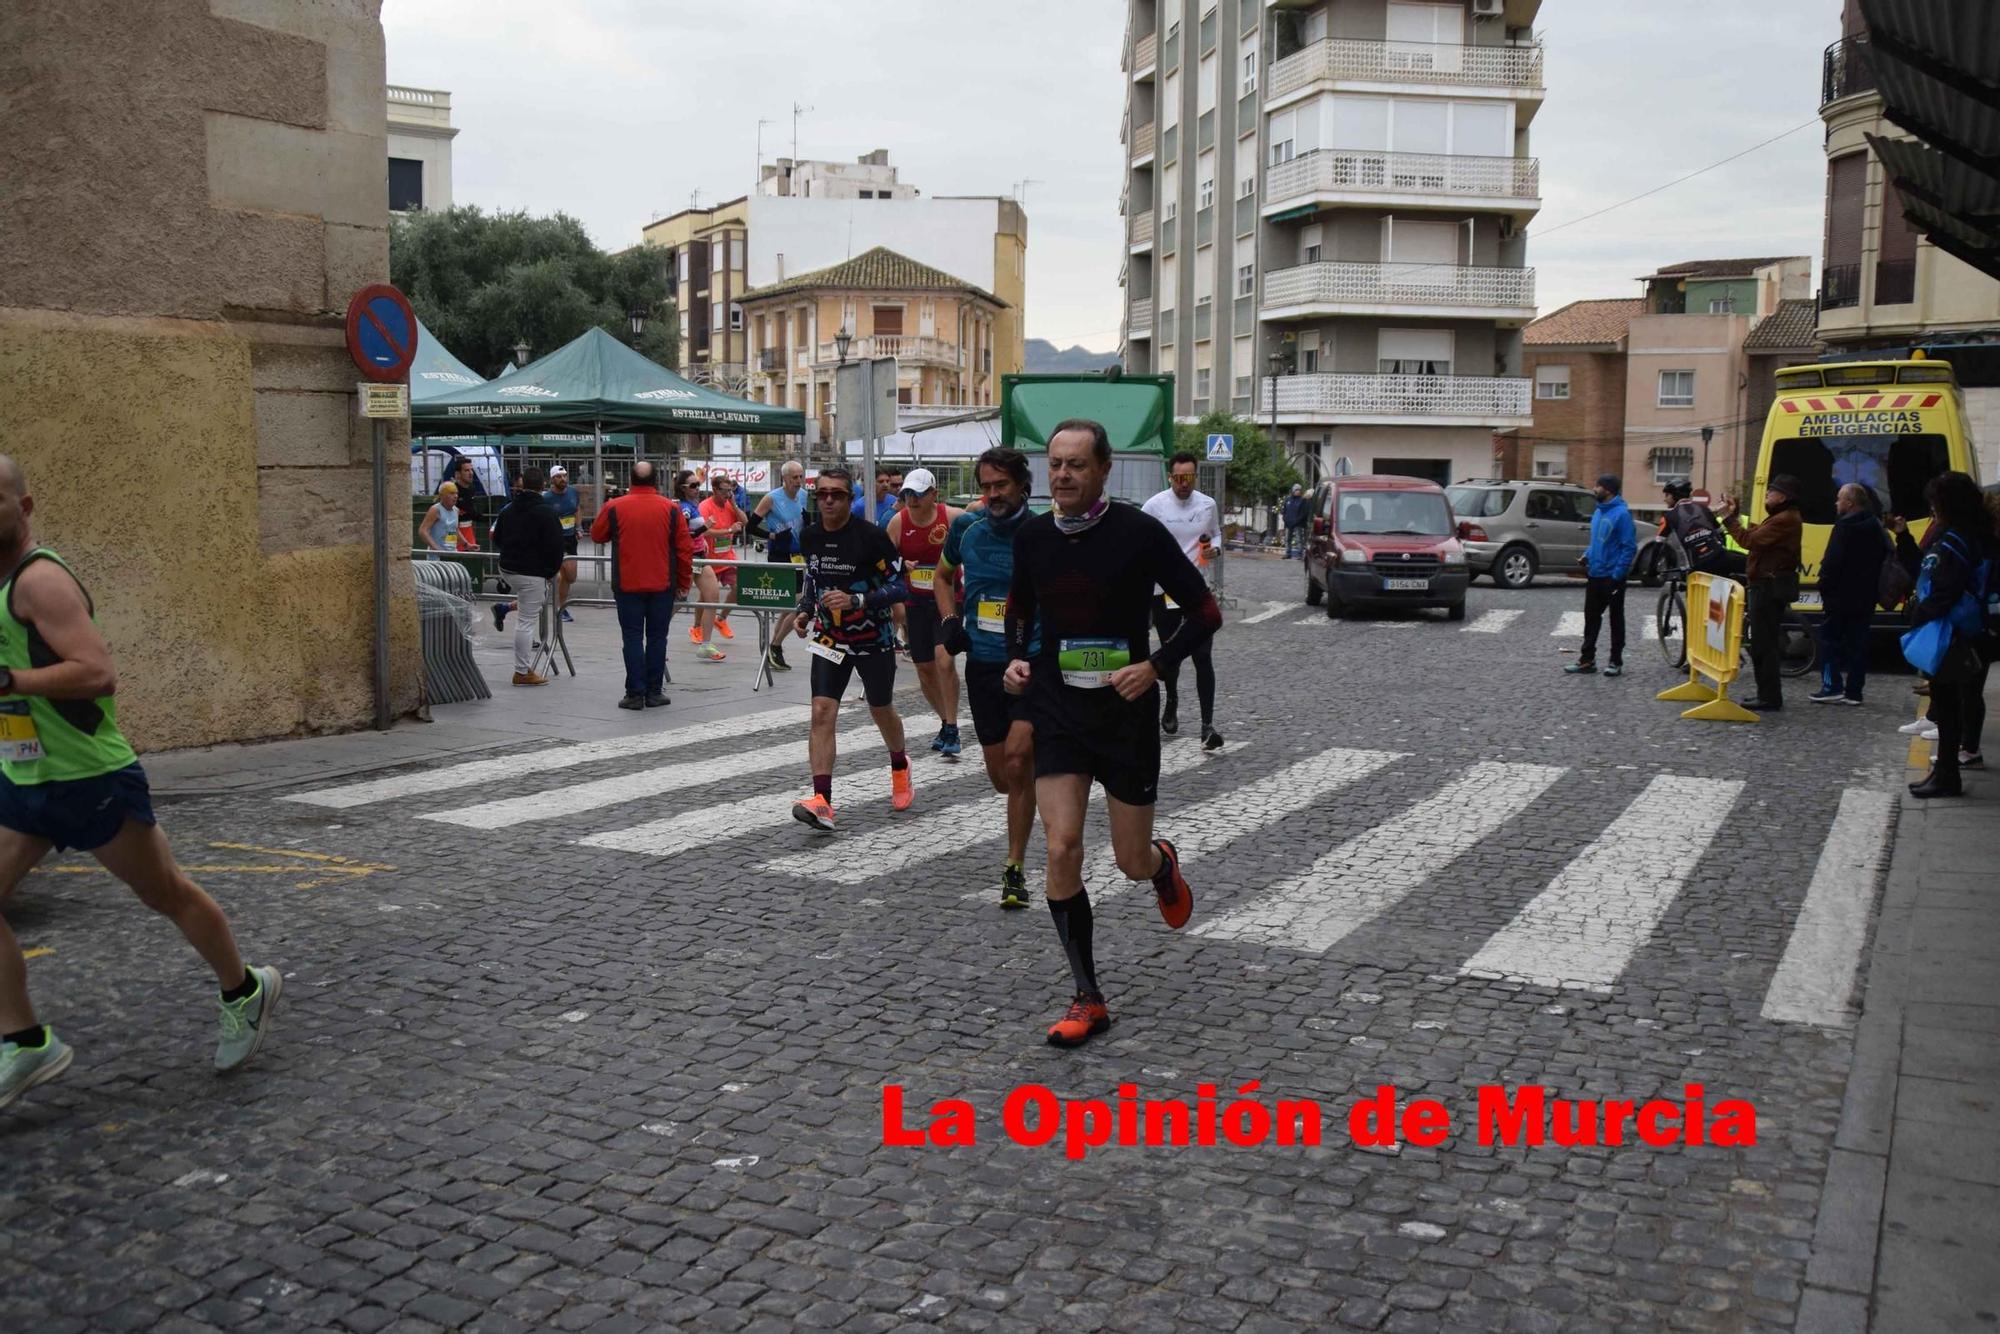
<point x="382" y="339"/>
<point x="1221" y="450"/>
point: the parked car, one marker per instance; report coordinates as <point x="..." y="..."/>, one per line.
<point x="1513" y="530"/>
<point x="1384" y="542"/>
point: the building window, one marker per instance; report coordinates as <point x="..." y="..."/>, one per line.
<point x="1722" y="305"/>
<point x="735" y="317"/>
<point x="1676" y="389"/>
<point x="1202" y="378"/>
<point x="1413" y="352"/>
<point x="1551" y="382"/>
<point x="1167" y="209"/>
<point x="406" y="184"/>
<point x="1246" y="279"/>
<point x="1249" y="71"/>
<point x="1246" y="187"/>
<point x="1551" y="462"/>
<point x="1206" y="194"/>
<point x="1672" y="463"/>
<point x="1310" y="243"/>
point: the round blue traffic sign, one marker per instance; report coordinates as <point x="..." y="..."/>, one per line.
<point x="382" y="333"/>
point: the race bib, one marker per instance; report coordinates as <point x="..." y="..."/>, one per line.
<point x="451" y="541"/>
<point x="990" y="615"/>
<point x="1089" y="663"/>
<point x="923" y="577"/>
<point x="822" y="647"/>
<point x="20" y="743"/>
<point x="569" y="523"/>
<point x="798" y="560"/>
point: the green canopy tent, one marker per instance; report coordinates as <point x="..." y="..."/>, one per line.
<point x="1137" y="412"/>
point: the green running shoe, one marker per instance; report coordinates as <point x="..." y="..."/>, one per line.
<point x="1013" y="887"/>
<point x="246" y="1021"/>
<point x="21" y="1068"/>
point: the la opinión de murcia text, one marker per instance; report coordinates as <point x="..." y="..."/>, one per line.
<point x="1528" y="1115"/>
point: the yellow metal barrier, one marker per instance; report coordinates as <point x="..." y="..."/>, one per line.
<point x="1714" y="633"/>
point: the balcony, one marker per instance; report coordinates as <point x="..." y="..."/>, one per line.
<point x="1414" y="180"/>
<point x="1398" y="400"/>
<point x="1139" y="324"/>
<point x="1142" y="231"/>
<point x="1143" y="140"/>
<point x="1839" y="286"/>
<point x="1511" y="70"/>
<point x="1846" y="70"/>
<point x="1146" y="56"/>
<point x="912" y="350"/>
<point x="1440" y="290"/>
<point x="771" y="359"/>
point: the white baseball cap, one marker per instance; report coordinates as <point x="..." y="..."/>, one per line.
<point x="918" y="481"/>
<point x="558" y="471"/>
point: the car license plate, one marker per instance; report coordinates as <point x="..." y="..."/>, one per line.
<point x="1398" y="585"/>
<point x="1810" y="598"/>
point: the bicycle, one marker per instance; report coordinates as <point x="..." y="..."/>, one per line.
<point x="1798" y="651"/>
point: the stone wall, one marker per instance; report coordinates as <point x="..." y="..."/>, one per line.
<point x="195" y="188"/>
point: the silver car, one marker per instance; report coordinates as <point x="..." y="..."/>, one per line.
<point x="1512" y="530"/>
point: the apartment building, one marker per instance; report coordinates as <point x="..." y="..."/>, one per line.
<point x="941" y="329"/>
<point x="1575" y="358"/>
<point x="420" y="135"/>
<point x="1325" y="211"/>
<point x="707" y="259"/>
<point x="870" y="176"/>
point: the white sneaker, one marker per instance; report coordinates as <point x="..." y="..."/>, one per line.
<point x="1928" y="734"/>
<point x="1917" y="728"/>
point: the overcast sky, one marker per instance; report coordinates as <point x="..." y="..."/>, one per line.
<point x="616" y="110"/>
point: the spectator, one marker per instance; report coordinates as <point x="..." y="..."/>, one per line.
<point x="888" y="494"/>
<point x="1773" y="571"/>
<point x="783" y="514"/>
<point x="1850" y="579"/>
<point x="470" y="493"/>
<point x="1606" y="564"/>
<point x="1697" y="534"/>
<point x="1297" y="507"/>
<point x="440" y="526"/>
<point x="1952" y="568"/>
<point x="652" y="557"/>
<point x="529" y="538"/>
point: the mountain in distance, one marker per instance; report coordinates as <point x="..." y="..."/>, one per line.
<point x="1044" y="357"/>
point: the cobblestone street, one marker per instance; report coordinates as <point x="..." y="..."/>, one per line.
<point x="591" y="1034"/>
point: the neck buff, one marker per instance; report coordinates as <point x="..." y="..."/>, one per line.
<point x="1069" y="527"/>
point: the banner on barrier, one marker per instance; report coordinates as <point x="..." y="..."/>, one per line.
<point x="769" y="587"/>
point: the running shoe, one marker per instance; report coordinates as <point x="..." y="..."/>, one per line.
<point x="1176" y="899"/>
<point x="722" y="628"/>
<point x="1971" y="759"/>
<point x="1615" y="669"/>
<point x="1170" y="717"/>
<point x="1916" y="728"/>
<point x="1013" y="886"/>
<point x="816" y="811"/>
<point x="1580" y="668"/>
<point x="567" y="618"/>
<point x="949" y="745"/>
<point x="1084" y="1019"/>
<point x="778" y="663"/>
<point x="246" y="1021"/>
<point x="901" y="794"/>
<point x="694" y="635"/>
<point x="710" y="653"/>
<point x="937" y="742"/>
<point x="21" y="1068"/>
<point x="1211" y="739"/>
<point x="1826" y="695"/>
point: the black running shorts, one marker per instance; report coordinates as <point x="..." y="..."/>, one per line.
<point x="878" y="677"/>
<point x="920" y="622"/>
<point x="1096" y="733"/>
<point x="994" y="711"/>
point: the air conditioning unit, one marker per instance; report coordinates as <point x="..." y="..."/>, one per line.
<point x="1487" y="9"/>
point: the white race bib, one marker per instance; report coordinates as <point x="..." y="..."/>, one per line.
<point x="822" y="648"/>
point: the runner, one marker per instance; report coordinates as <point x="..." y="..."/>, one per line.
<point x="725" y="526"/>
<point x="783" y="513"/>
<point x="918" y="529"/>
<point x="1196" y="524"/>
<point x="980" y="547"/>
<point x="1088" y="569"/>
<point x="706" y="587"/>
<point x="565" y="503"/>
<point x="852" y="579"/>
<point x="68" y="779"/>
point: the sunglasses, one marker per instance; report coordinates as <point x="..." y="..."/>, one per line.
<point x="824" y="494"/>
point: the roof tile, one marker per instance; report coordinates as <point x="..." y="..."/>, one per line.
<point x="1599" y="321"/>
<point x="879" y="269"/>
<point x="1791" y="327"/>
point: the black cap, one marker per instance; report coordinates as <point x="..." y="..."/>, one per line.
<point x="1609" y="481"/>
<point x="1785" y="484"/>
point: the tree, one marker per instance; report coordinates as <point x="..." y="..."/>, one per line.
<point x="484" y="282"/>
<point x="1255" y="478"/>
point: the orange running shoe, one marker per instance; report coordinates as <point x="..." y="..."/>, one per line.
<point x="816" y="811"/>
<point x="1176" y="899"/>
<point x="722" y="628"/>
<point x="694" y="634"/>
<point x="901" y="794"/>
<point x="1085" y="1017"/>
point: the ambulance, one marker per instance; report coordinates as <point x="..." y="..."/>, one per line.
<point x="1889" y="425"/>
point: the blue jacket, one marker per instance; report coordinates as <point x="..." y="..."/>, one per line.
<point x="1296" y="510"/>
<point x="1612" y="542"/>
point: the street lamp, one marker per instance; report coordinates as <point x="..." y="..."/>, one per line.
<point x="1707" y="434"/>
<point x="1277" y="369"/>
<point x="638" y="317"/>
<point x="521" y="351"/>
<point x="841" y="342"/>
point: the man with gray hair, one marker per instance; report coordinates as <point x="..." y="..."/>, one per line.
<point x="782" y="513"/>
<point x="1850" y="577"/>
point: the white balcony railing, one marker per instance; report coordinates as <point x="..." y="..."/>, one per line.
<point x="1142" y="228"/>
<point x="1367" y="171"/>
<point x="1398" y="285"/>
<point x="1142" y="139"/>
<point x="907" y="347"/>
<point x="1146" y="53"/>
<point x="1140" y="323"/>
<point x="1346" y="58"/>
<point x="1334" y="397"/>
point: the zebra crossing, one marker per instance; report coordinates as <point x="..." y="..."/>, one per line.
<point x="1581" y="931"/>
<point x="1639" y="624"/>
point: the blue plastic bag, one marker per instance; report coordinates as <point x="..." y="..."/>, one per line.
<point x="1925" y="646"/>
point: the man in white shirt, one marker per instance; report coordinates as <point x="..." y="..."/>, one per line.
<point x="1196" y="523"/>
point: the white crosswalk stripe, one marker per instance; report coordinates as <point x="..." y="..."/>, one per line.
<point x="1571" y="626"/>
<point x="1312" y="620"/>
<point x="1493" y="622"/>
<point x="1584" y="928"/>
<point x="1816" y="976"/>
<point x="1346" y="888"/>
<point x="709" y="771"/>
<point x="468" y="776"/>
<point x="1270" y="609"/>
<point x="1209" y="826"/>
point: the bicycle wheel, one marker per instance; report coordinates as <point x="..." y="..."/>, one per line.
<point x="1798" y="646"/>
<point x="1671" y="618"/>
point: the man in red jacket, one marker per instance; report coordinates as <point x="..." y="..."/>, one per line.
<point x="652" y="556"/>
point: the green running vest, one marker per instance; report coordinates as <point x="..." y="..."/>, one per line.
<point x="49" y="740"/>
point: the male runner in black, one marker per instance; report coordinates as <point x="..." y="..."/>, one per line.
<point x="1088" y="568"/>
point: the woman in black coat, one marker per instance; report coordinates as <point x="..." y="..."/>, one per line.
<point x="1952" y="559"/>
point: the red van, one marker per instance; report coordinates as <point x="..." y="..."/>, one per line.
<point x="1384" y="542"/>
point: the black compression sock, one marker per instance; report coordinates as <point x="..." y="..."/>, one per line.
<point x="1073" y="922"/>
<point x="34" y="1038"/>
<point x="247" y="987"/>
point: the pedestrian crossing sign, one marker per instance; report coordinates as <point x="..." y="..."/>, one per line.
<point x="1221" y="448"/>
